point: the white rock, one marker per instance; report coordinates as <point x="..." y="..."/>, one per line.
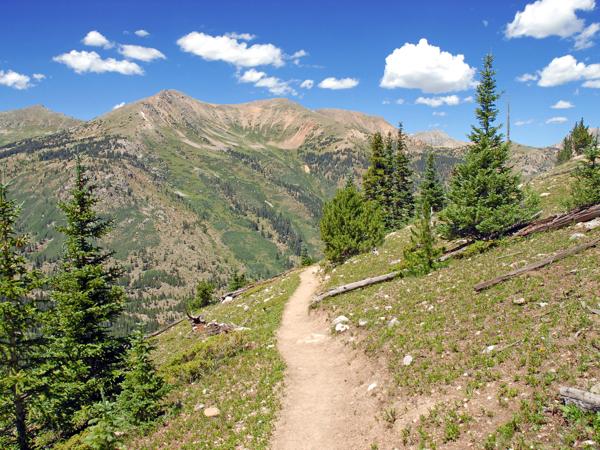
<point x="371" y="387"/>
<point x="341" y="327"/>
<point x="227" y="299"/>
<point x="576" y="236"/>
<point x="519" y="301"/>
<point x="198" y="407"/>
<point x="544" y="194"/>
<point x="246" y="307"/>
<point x="543" y="304"/>
<point x="339" y="319"/>
<point x="392" y="323"/>
<point x="592" y="224"/>
<point x="387" y="307"/>
<point x="363" y="322"/>
<point x="407" y="361"/>
<point x="489" y="349"/>
<point x="213" y="411"/>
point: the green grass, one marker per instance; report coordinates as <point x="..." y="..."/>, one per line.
<point x="479" y="346"/>
<point x="240" y="373"/>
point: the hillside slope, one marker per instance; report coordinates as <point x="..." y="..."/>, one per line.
<point x="31" y="122"/>
<point x="200" y="190"/>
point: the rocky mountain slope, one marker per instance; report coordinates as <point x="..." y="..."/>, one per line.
<point x="198" y="190"/>
<point x="36" y="120"/>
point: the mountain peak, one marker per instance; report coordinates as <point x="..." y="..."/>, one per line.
<point x="437" y="138"/>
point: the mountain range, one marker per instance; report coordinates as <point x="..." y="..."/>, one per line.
<point x="199" y="190"/>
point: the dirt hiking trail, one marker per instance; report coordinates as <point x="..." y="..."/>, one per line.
<point x="327" y="404"/>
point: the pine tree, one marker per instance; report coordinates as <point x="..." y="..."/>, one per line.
<point x="350" y="225"/>
<point x="586" y="187"/>
<point x="140" y="400"/>
<point x="566" y="152"/>
<point x="422" y="254"/>
<point x="238" y="281"/>
<point x="581" y="138"/>
<point x="20" y="343"/>
<point x="374" y="180"/>
<point x="484" y="198"/>
<point x="401" y="185"/>
<point x="487" y="111"/>
<point x="86" y="301"/>
<point x="204" y="294"/>
<point x="431" y="189"/>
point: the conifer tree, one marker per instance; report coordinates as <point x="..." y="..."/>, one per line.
<point x="20" y="343"/>
<point x="142" y="388"/>
<point x="431" y="189"/>
<point x="484" y="198"/>
<point x="586" y="188"/>
<point x="204" y="294"/>
<point x="86" y="300"/>
<point x="566" y="152"/>
<point x="581" y="138"/>
<point x="350" y="225"/>
<point x="422" y="254"/>
<point x="402" y="202"/>
<point x="374" y="180"/>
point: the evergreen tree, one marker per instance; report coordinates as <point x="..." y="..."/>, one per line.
<point x="142" y="388"/>
<point x="204" y="294"/>
<point x="422" y="255"/>
<point x="375" y="184"/>
<point x="431" y="189"/>
<point x="566" y="152"/>
<point x="350" y="225"/>
<point x="487" y="111"/>
<point x="402" y="202"/>
<point x="484" y="197"/>
<point x="20" y="343"/>
<point x="586" y="188"/>
<point x="581" y="138"/>
<point x="238" y="281"/>
<point x="86" y="301"/>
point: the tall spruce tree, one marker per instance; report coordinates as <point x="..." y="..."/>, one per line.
<point x="86" y="301"/>
<point x="581" y="138"/>
<point x="586" y="187"/>
<point x="566" y="152"/>
<point x="375" y="184"/>
<point x="484" y="198"/>
<point x="431" y="189"/>
<point x="402" y="201"/>
<point x="20" y="343"/>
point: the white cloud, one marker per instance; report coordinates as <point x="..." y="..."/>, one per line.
<point x="545" y="18"/>
<point x="231" y="50"/>
<point x="96" y="39"/>
<point x="307" y="84"/>
<point x="428" y="68"/>
<point x="241" y="36"/>
<point x="39" y="76"/>
<point x="274" y="85"/>
<point x="338" y="83"/>
<point x="141" y="53"/>
<point x="82" y="62"/>
<point x="485" y="23"/>
<point x="592" y="84"/>
<point x="400" y="101"/>
<point x="527" y="77"/>
<point x="251" y="76"/>
<point x="520" y="123"/>
<point x="562" y="104"/>
<point x="118" y="105"/>
<point x="585" y="39"/>
<point x="296" y="56"/>
<point x="385" y="102"/>
<point x="435" y="102"/>
<point x="14" y="80"/>
<point x="141" y="33"/>
<point x="566" y="69"/>
<point x="558" y="119"/>
<point x="468" y="99"/>
<point x="439" y="113"/>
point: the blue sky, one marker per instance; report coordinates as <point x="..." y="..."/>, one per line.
<point x="395" y="59"/>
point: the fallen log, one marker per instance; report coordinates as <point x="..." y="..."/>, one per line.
<point x="240" y="291"/>
<point x="537" y="265"/>
<point x="166" y="328"/>
<point x="456" y="250"/>
<point x="560" y="221"/>
<point x="585" y="400"/>
<point x="352" y="286"/>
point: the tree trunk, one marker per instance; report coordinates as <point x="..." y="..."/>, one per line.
<point x="583" y="399"/>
